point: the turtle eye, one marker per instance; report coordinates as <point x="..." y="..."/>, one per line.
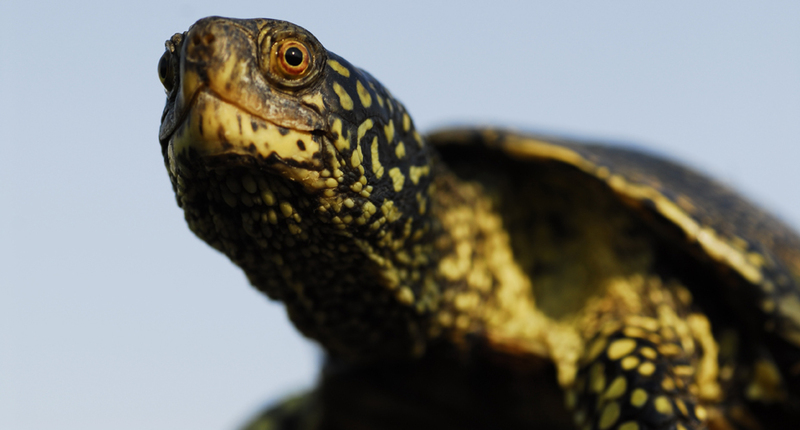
<point x="292" y="59"/>
<point x="165" y="73"/>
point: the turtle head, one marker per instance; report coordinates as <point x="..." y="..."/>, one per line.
<point x="242" y="92"/>
<point x="266" y="95"/>
<point x="302" y="169"/>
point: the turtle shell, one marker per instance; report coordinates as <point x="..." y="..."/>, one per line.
<point x="755" y="256"/>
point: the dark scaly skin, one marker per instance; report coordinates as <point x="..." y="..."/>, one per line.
<point x="332" y="250"/>
<point x="468" y="293"/>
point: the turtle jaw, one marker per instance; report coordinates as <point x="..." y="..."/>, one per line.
<point x="221" y="133"/>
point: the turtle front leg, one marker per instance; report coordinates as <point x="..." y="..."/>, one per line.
<point x="652" y="365"/>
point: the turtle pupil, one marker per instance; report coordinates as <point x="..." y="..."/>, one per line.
<point x="293" y="56"/>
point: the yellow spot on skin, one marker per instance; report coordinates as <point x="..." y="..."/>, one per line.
<point x="390" y="211"/>
<point x="630" y="425"/>
<point x="597" y="378"/>
<point x="342" y="143"/>
<point x="682" y="407"/>
<point x="609" y="416"/>
<point x="363" y="95"/>
<point x="406" y="122"/>
<point x="620" y="348"/>
<point x="667" y="333"/>
<point x="595" y="349"/>
<point x="766" y="383"/>
<point x="643" y="322"/>
<point x="701" y="413"/>
<point x="466" y="301"/>
<point x="462" y="321"/>
<point x="342" y="70"/>
<point x="422" y="203"/>
<point x="707" y="368"/>
<point x="638" y="397"/>
<point x="400" y="151"/>
<point x="398" y="179"/>
<point x="647" y="368"/>
<point x="663" y="405"/>
<point x="286" y="209"/>
<point x="405" y="296"/>
<point x="789" y="305"/>
<point x="377" y="168"/>
<point x="344" y="98"/>
<point x="388" y="129"/>
<point x="415" y="173"/>
<point x="668" y="384"/>
<point x="363" y="129"/>
<point x="314" y="100"/>
<point x="635" y="332"/>
<point x="684" y="295"/>
<point x="630" y="362"/>
<point x="648" y="352"/>
<point x="355" y="160"/>
<point x="610" y="327"/>
<point x="616" y="388"/>
<point x="669" y="349"/>
<point x="756" y="259"/>
<point x="445" y="319"/>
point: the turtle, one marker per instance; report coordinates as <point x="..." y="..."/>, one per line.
<point x="475" y="277"/>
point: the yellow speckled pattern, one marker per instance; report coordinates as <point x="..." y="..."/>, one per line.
<point x="612" y="386"/>
<point x="651" y="297"/>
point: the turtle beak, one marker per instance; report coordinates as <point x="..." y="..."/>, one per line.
<point x="209" y="52"/>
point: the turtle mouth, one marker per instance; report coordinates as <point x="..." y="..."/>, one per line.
<point x="219" y="131"/>
<point x="176" y="117"/>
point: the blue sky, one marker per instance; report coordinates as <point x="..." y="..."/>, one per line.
<point x="113" y="315"/>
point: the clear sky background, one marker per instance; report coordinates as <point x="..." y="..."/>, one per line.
<point x="113" y="315"/>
